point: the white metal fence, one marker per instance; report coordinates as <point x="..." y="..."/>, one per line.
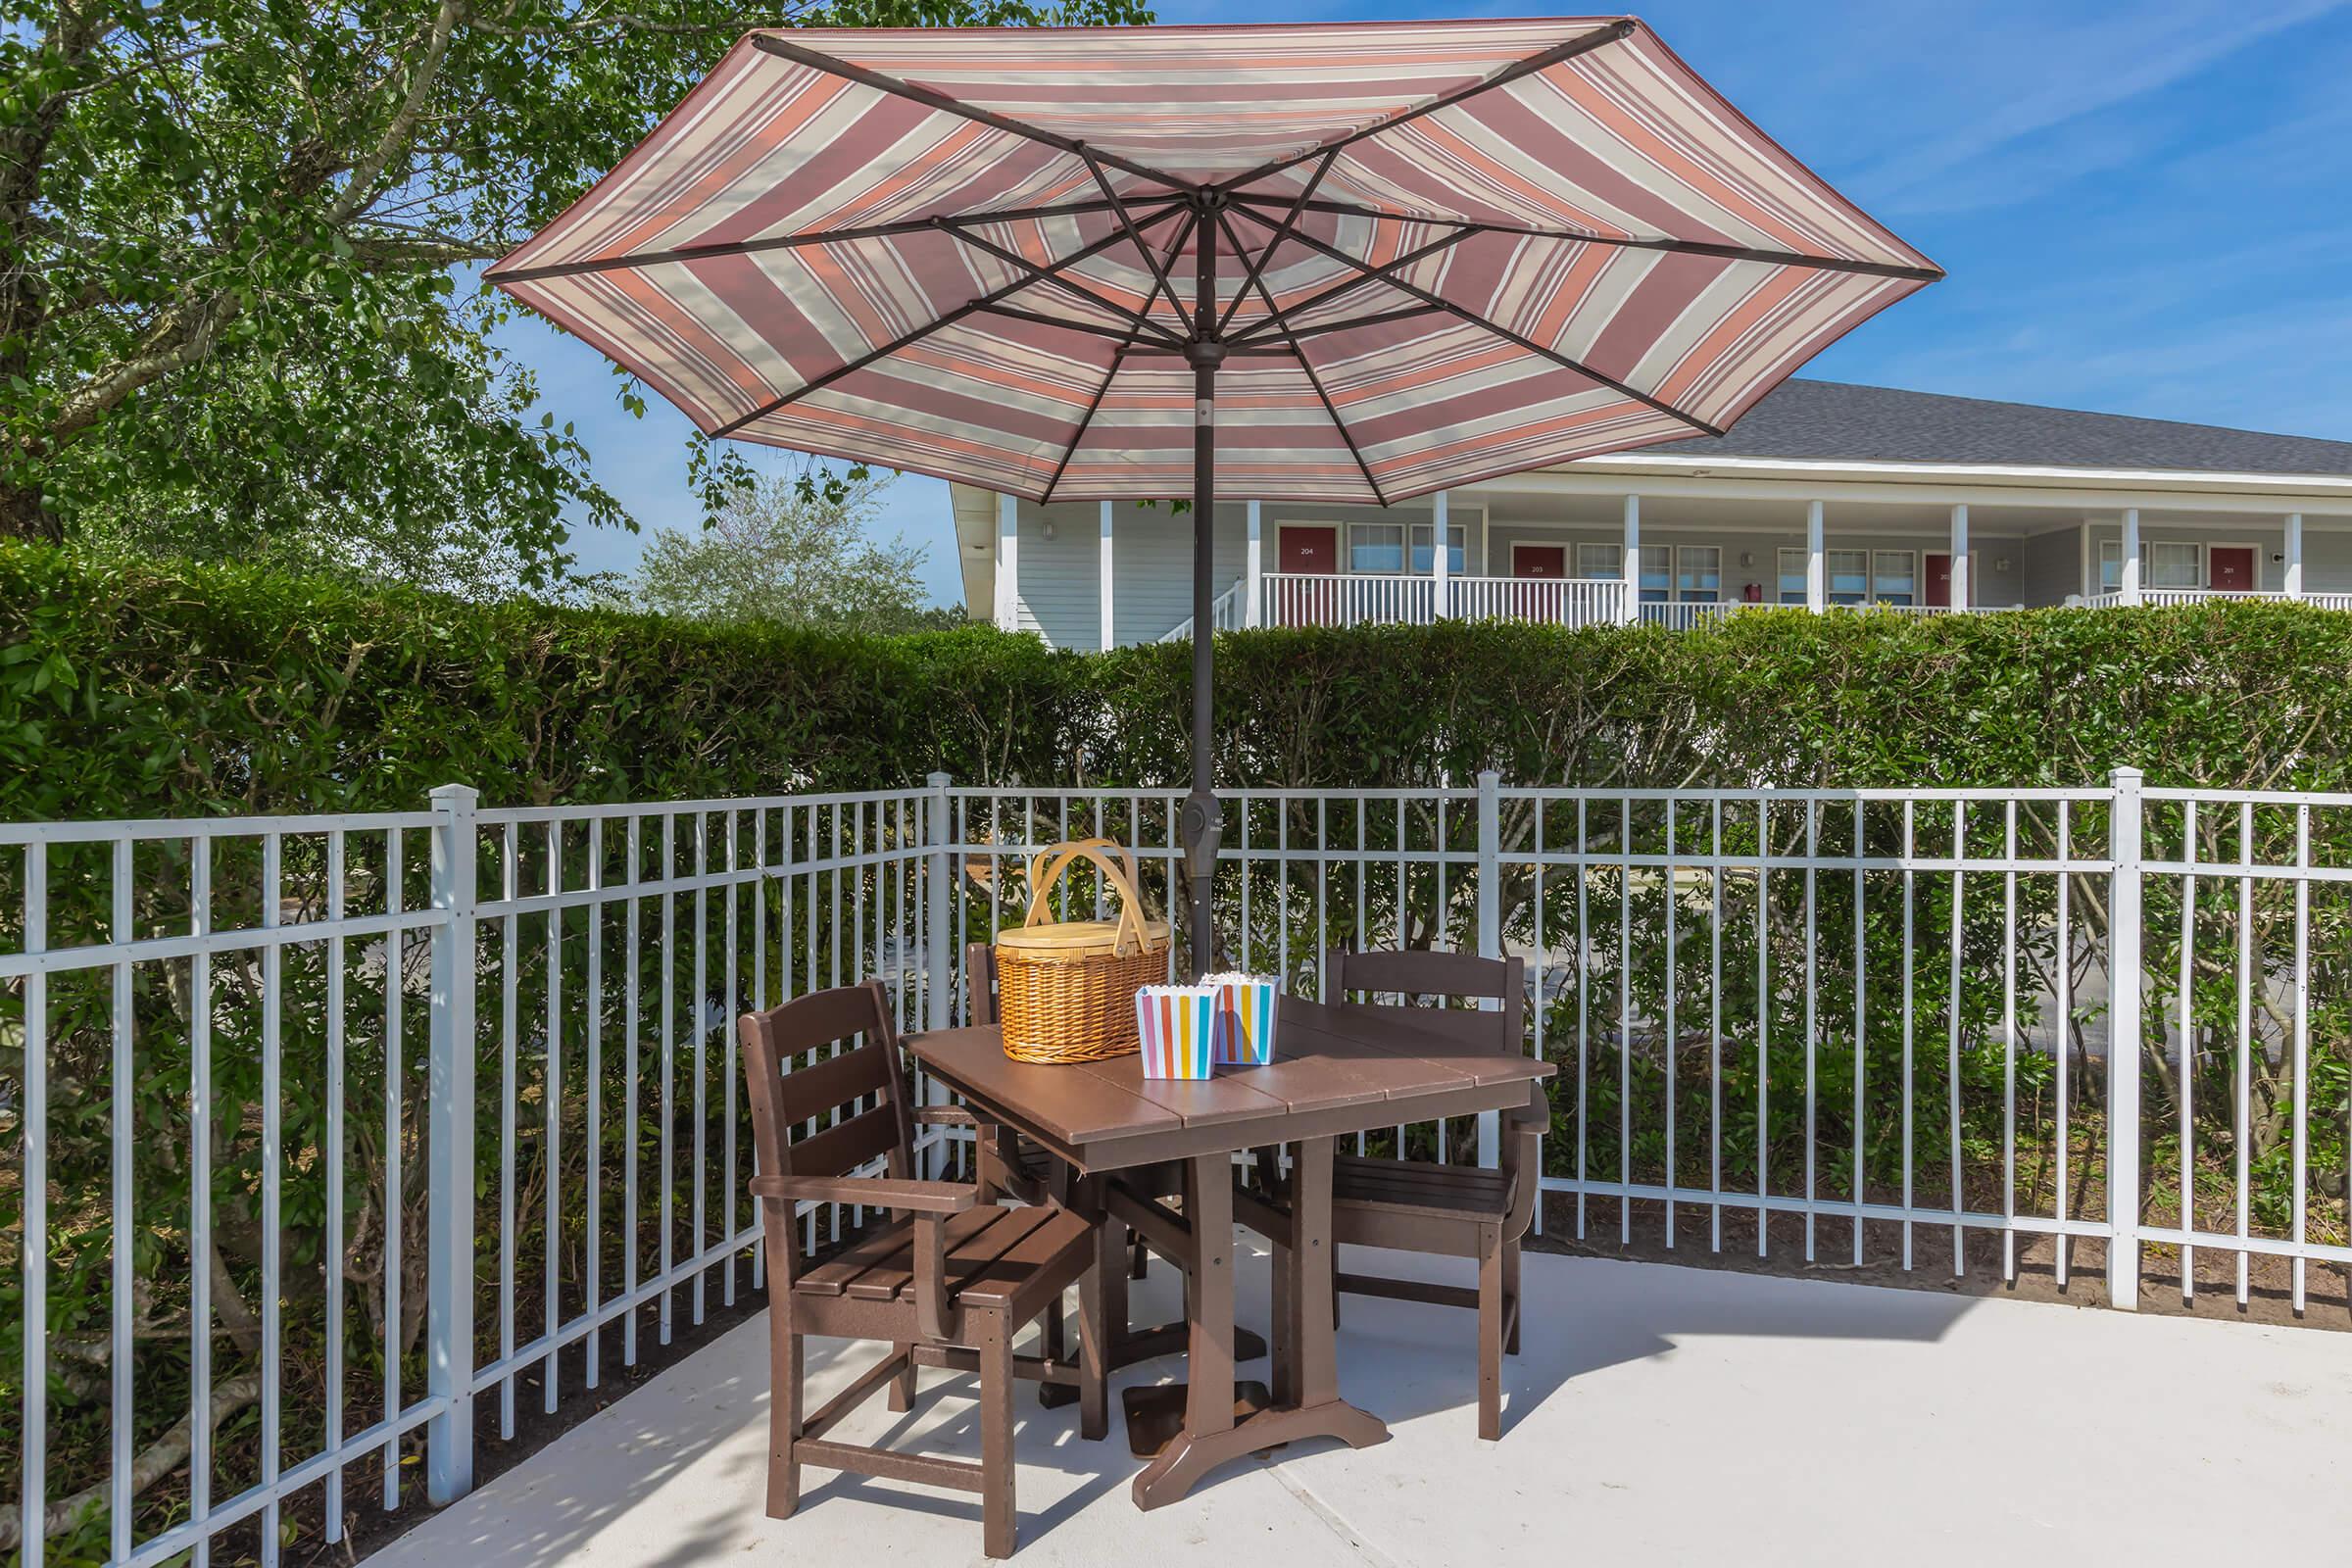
<point x="333" y="1125"/>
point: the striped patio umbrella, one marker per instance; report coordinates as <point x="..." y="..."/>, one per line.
<point x="1344" y="263"/>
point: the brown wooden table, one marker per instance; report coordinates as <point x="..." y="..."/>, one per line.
<point x="1339" y="1068"/>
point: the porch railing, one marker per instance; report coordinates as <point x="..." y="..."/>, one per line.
<point x="338" y="1125"/>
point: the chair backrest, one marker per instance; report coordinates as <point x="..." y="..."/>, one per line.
<point x="1443" y="976"/>
<point x="786" y="1098"/>
<point x="980" y="983"/>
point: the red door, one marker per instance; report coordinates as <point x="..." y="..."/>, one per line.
<point x="1312" y="549"/>
<point x="1936" y="588"/>
<point x="2230" y="570"/>
<point x="1542" y="564"/>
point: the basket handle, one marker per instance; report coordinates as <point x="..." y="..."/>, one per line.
<point x="1114" y="861"/>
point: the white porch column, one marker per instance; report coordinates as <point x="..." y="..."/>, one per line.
<point x="2295" y="555"/>
<point x="1108" y="622"/>
<point x="1009" y="562"/>
<point x="1630" y="568"/>
<point x="2129" y="583"/>
<point x="1817" y="578"/>
<point x="1440" y="563"/>
<point x="1962" y="588"/>
<point x="1254" y="592"/>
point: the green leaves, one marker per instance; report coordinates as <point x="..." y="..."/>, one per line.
<point x="230" y="320"/>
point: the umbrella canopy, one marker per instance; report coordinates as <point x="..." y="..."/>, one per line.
<point x="1344" y="263"/>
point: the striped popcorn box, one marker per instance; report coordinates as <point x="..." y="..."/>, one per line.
<point x="1177" y="1024"/>
<point x="1245" y="1034"/>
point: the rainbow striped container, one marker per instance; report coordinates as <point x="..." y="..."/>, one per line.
<point x="1245" y="1036"/>
<point x="1178" y="1026"/>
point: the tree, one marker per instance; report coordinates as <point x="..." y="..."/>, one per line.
<point x="786" y="552"/>
<point x="237" y="316"/>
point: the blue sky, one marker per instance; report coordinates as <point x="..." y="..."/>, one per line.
<point x="2145" y="208"/>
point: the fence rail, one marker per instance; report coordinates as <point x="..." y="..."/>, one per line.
<point x="329" y="1127"/>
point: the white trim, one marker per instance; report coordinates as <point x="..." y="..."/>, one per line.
<point x="1440" y="552"/>
<point x="1726" y="480"/>
<point x="1253" y="566"/>
<point x="1008" y="564"/>
<point x="1817" y="572"/>
<point x="1964" y="587"/>
<point x="1987" y="473"/>
<point x="1108" y="577"/>
<point x="1630" y="601"/>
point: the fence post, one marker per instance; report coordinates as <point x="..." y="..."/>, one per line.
<point x="2124" y="1042"/>
<point x="448" y="1165"/>
<point x="1490" y="925"/>
<point x="939" y="997"/>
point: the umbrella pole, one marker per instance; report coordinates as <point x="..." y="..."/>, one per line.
<point x="1202" y="818"/>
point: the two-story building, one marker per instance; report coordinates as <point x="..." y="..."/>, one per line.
<point x="1825" y="495"/>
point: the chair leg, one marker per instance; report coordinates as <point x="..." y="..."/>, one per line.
<point x="1111" y="1278"/>
<point x="997" y="1517"/>
<point x="1095" y="1329"/>
<point x="1489" y="1333"/>
<point x="783" y="1416"/>
<point x="901" y="1387"/>
<point x="1510" y="1297"/>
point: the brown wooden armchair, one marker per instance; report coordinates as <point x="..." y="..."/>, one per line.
<point x="949" y="1279"/>
<point x="1448" y="1211"/>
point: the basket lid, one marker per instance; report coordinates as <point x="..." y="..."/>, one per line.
<point x="1078" y="938"/>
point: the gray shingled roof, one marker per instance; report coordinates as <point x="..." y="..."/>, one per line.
<point x="1804" y="419"/>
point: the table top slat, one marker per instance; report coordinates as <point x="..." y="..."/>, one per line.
<point x="1332" y="1059"/>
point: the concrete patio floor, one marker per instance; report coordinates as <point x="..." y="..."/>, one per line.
<point x="1658" y="1415"/>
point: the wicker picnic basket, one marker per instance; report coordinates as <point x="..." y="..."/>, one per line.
<point x="1065" y="988"/>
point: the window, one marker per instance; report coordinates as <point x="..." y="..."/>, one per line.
<point x="1792" y="576"/>
<point x="2173" y="566"/>
<point x="1456" y="548"/>
<point x="1893" y="578"/>
<point x="1599" y="560"/>
<point x="2111" y="565"/>
<point x="1848" y="575"/>
<point x="1657" y="576"/>
<point x="1375" y="547"/>
<point x="1698" y="573"/>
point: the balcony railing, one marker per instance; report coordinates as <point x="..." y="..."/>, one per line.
<point x="1358" y="599"/>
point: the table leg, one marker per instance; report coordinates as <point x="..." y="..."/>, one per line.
<point x="1212" y="1434"/>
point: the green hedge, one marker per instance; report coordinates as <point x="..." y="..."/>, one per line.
<point x="158" y="690"/>
<point x="152" y="689"/>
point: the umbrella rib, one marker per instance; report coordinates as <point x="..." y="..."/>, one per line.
<point x="1265" y="258"/>
<point x="1087" y="418"/>
<point x="782" y="242"/>
<point x="932" y="98"/>
<point x="1404" y="313"/>
<point x="905" y="339"/>
<point x="1040" y="274"/>
<point x="1330" y="409"/>
<point x="1440" y="302"/>
<point x="1678" y="247"/>
<point x="1584" y="43"/>
<point x="1110" y="374"/>
<point x="1015" y="312"/>
<point x="1256" y="332"/>
<point x="1160" y="274"/>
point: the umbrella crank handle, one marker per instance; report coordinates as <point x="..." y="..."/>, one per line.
<point x="1201" y="825"/>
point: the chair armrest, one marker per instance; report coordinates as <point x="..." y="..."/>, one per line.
<point x="1536" y="1114"/>
<point x="874" y="1191"/>
<point x="946" y="1116"/>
